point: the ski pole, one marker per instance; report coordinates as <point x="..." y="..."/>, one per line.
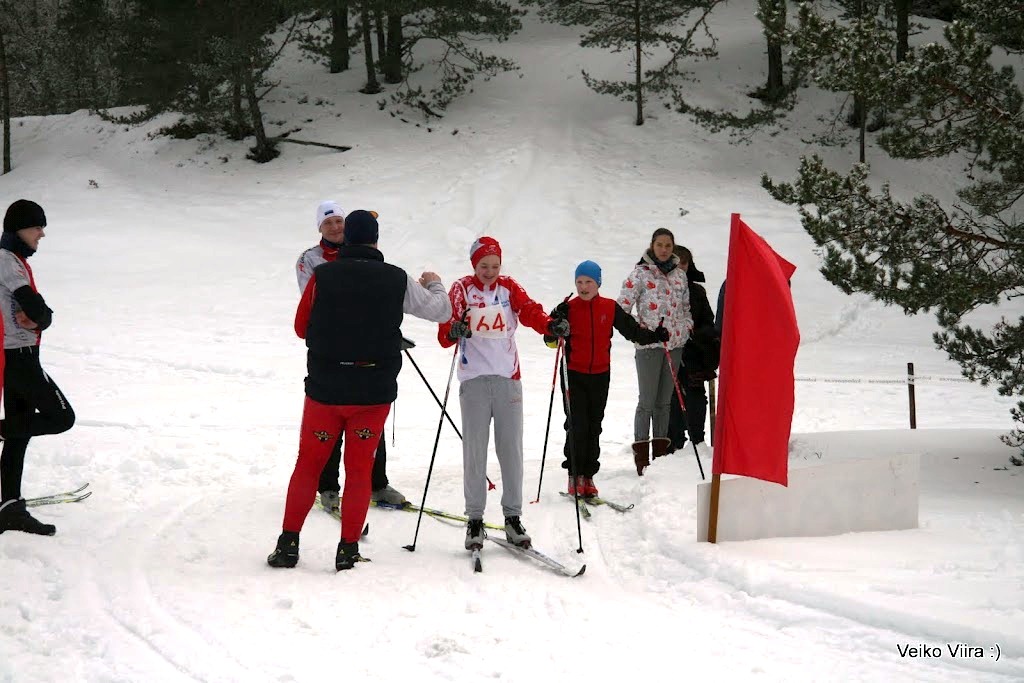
<point x="437" y="440"/>
<point x="490" y="484"/>
<point x="572" y="448"/>
<point x="682" y="404"/>
<point x="547" y="429"/>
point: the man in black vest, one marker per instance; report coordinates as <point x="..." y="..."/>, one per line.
<point x="349" y="315"/>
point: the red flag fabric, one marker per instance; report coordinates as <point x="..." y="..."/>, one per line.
<point x="759" y="344"/>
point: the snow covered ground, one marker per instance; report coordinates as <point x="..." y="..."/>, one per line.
<point x="174" y="290"/>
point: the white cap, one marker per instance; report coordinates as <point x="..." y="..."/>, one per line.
<point x="327" y="209"/>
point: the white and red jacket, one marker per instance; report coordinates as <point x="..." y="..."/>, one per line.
<point x="494" y="313"/>
<point x="655" y="296"/>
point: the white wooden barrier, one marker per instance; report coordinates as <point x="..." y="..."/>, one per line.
<point x="876" y="494"/>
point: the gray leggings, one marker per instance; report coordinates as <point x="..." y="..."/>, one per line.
<point x="656" y="391"/>
<point x="486" y="398"/>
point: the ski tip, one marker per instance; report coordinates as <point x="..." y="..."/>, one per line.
<point x="580" y="572"/>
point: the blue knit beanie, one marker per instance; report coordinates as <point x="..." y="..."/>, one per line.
<point x="591" y="270"/>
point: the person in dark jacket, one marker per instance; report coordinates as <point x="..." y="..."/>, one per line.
<point x="350" y="316"/>
<point x="33" y="403"/>
<point x="330" y="220"/>
<point x="588" y="367"/>
<point x="700" y="360"/>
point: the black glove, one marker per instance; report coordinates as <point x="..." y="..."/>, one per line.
<point x="460" y="329"/>
<point x="408" y="344"/>
<point x="559" y="327"/>
<point x="661" y="334"/>
<point x="561" y="310"/>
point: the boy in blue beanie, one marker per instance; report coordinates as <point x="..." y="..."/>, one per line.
<point x="588" y="363"/>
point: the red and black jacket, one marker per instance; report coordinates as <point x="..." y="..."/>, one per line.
<point x="588" y="347"/>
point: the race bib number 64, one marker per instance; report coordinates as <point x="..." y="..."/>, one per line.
<point x="488" y="322"/>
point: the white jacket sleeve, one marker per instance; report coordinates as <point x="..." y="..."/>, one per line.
<point x="303" y="271"/>
<point x="630" y="291"/>
<point x="430" y="302"/>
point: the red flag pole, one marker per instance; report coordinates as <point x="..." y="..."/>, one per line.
<point x="716" y="479"/>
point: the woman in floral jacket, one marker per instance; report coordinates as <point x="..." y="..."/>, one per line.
<point x="658" y="289"/>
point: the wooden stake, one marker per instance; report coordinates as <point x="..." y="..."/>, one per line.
<point x="716" y="483"/>
<point x="913" y="401"/>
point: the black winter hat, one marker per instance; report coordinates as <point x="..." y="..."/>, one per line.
<point x="361" y="227"/>
<point x="24" y="214"/>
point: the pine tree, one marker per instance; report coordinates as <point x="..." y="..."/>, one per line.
<point x="772" y="15"/>
<point x="207" y="61"/>
<point x="454" y="25"/>
<point x="639" y="26"/>
<point x="332" y="45"/>
<point x="946" y="99"/>
<point x="851" y="55"/>
<point x="372" y="86"/>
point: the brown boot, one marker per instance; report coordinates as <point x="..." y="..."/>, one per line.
<point x="660" y="446"/>
<point x="641" y="456"/>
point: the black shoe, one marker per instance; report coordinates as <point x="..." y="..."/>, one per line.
<point x="348" y="555"/>
<point x="14" y="516"/>
<point x="286" y="554"/>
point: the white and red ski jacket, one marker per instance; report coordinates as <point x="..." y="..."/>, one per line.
<point x="493" y="314"/>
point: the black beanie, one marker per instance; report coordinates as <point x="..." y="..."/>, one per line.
<point x="24" y="214"/>
<point x="361" y="227"/>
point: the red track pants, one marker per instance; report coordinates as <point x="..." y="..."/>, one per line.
<point x="321" y="426"/>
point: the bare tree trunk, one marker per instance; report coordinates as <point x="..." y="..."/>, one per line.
<point x="378" y="23"/>
<point x="339" y="40"/>
<point x="237" y="112"/>
<point x="859" y="115"/>
<point x="264" y="150"/>
<point x="392" y="61"/>
<point x="773" y="17"/>
<point x="372" y="87"/>
<point x="902" y="29"/>
<point x="639" y="65"/>
<point x="863" y="126"/>
<point x="5" y="104"/>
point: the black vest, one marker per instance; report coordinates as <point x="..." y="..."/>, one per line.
<point x="354" y="336"/>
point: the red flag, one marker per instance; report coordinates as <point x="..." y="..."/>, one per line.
<point x="759" y="343"/>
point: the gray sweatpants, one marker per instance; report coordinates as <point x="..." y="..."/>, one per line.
<point x="483" y="399"/>
<point x="656" y="391"/>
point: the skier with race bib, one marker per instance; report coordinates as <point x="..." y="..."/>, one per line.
<point x="487" y="308"/>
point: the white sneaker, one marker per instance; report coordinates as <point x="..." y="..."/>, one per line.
<point x="389" y="495"/>
<point x="330" y="500"/>
<point x="475" y="534"/>
<point x="515" y="533"/>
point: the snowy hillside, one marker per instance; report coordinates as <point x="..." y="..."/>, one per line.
<point x="174" y="292"/>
